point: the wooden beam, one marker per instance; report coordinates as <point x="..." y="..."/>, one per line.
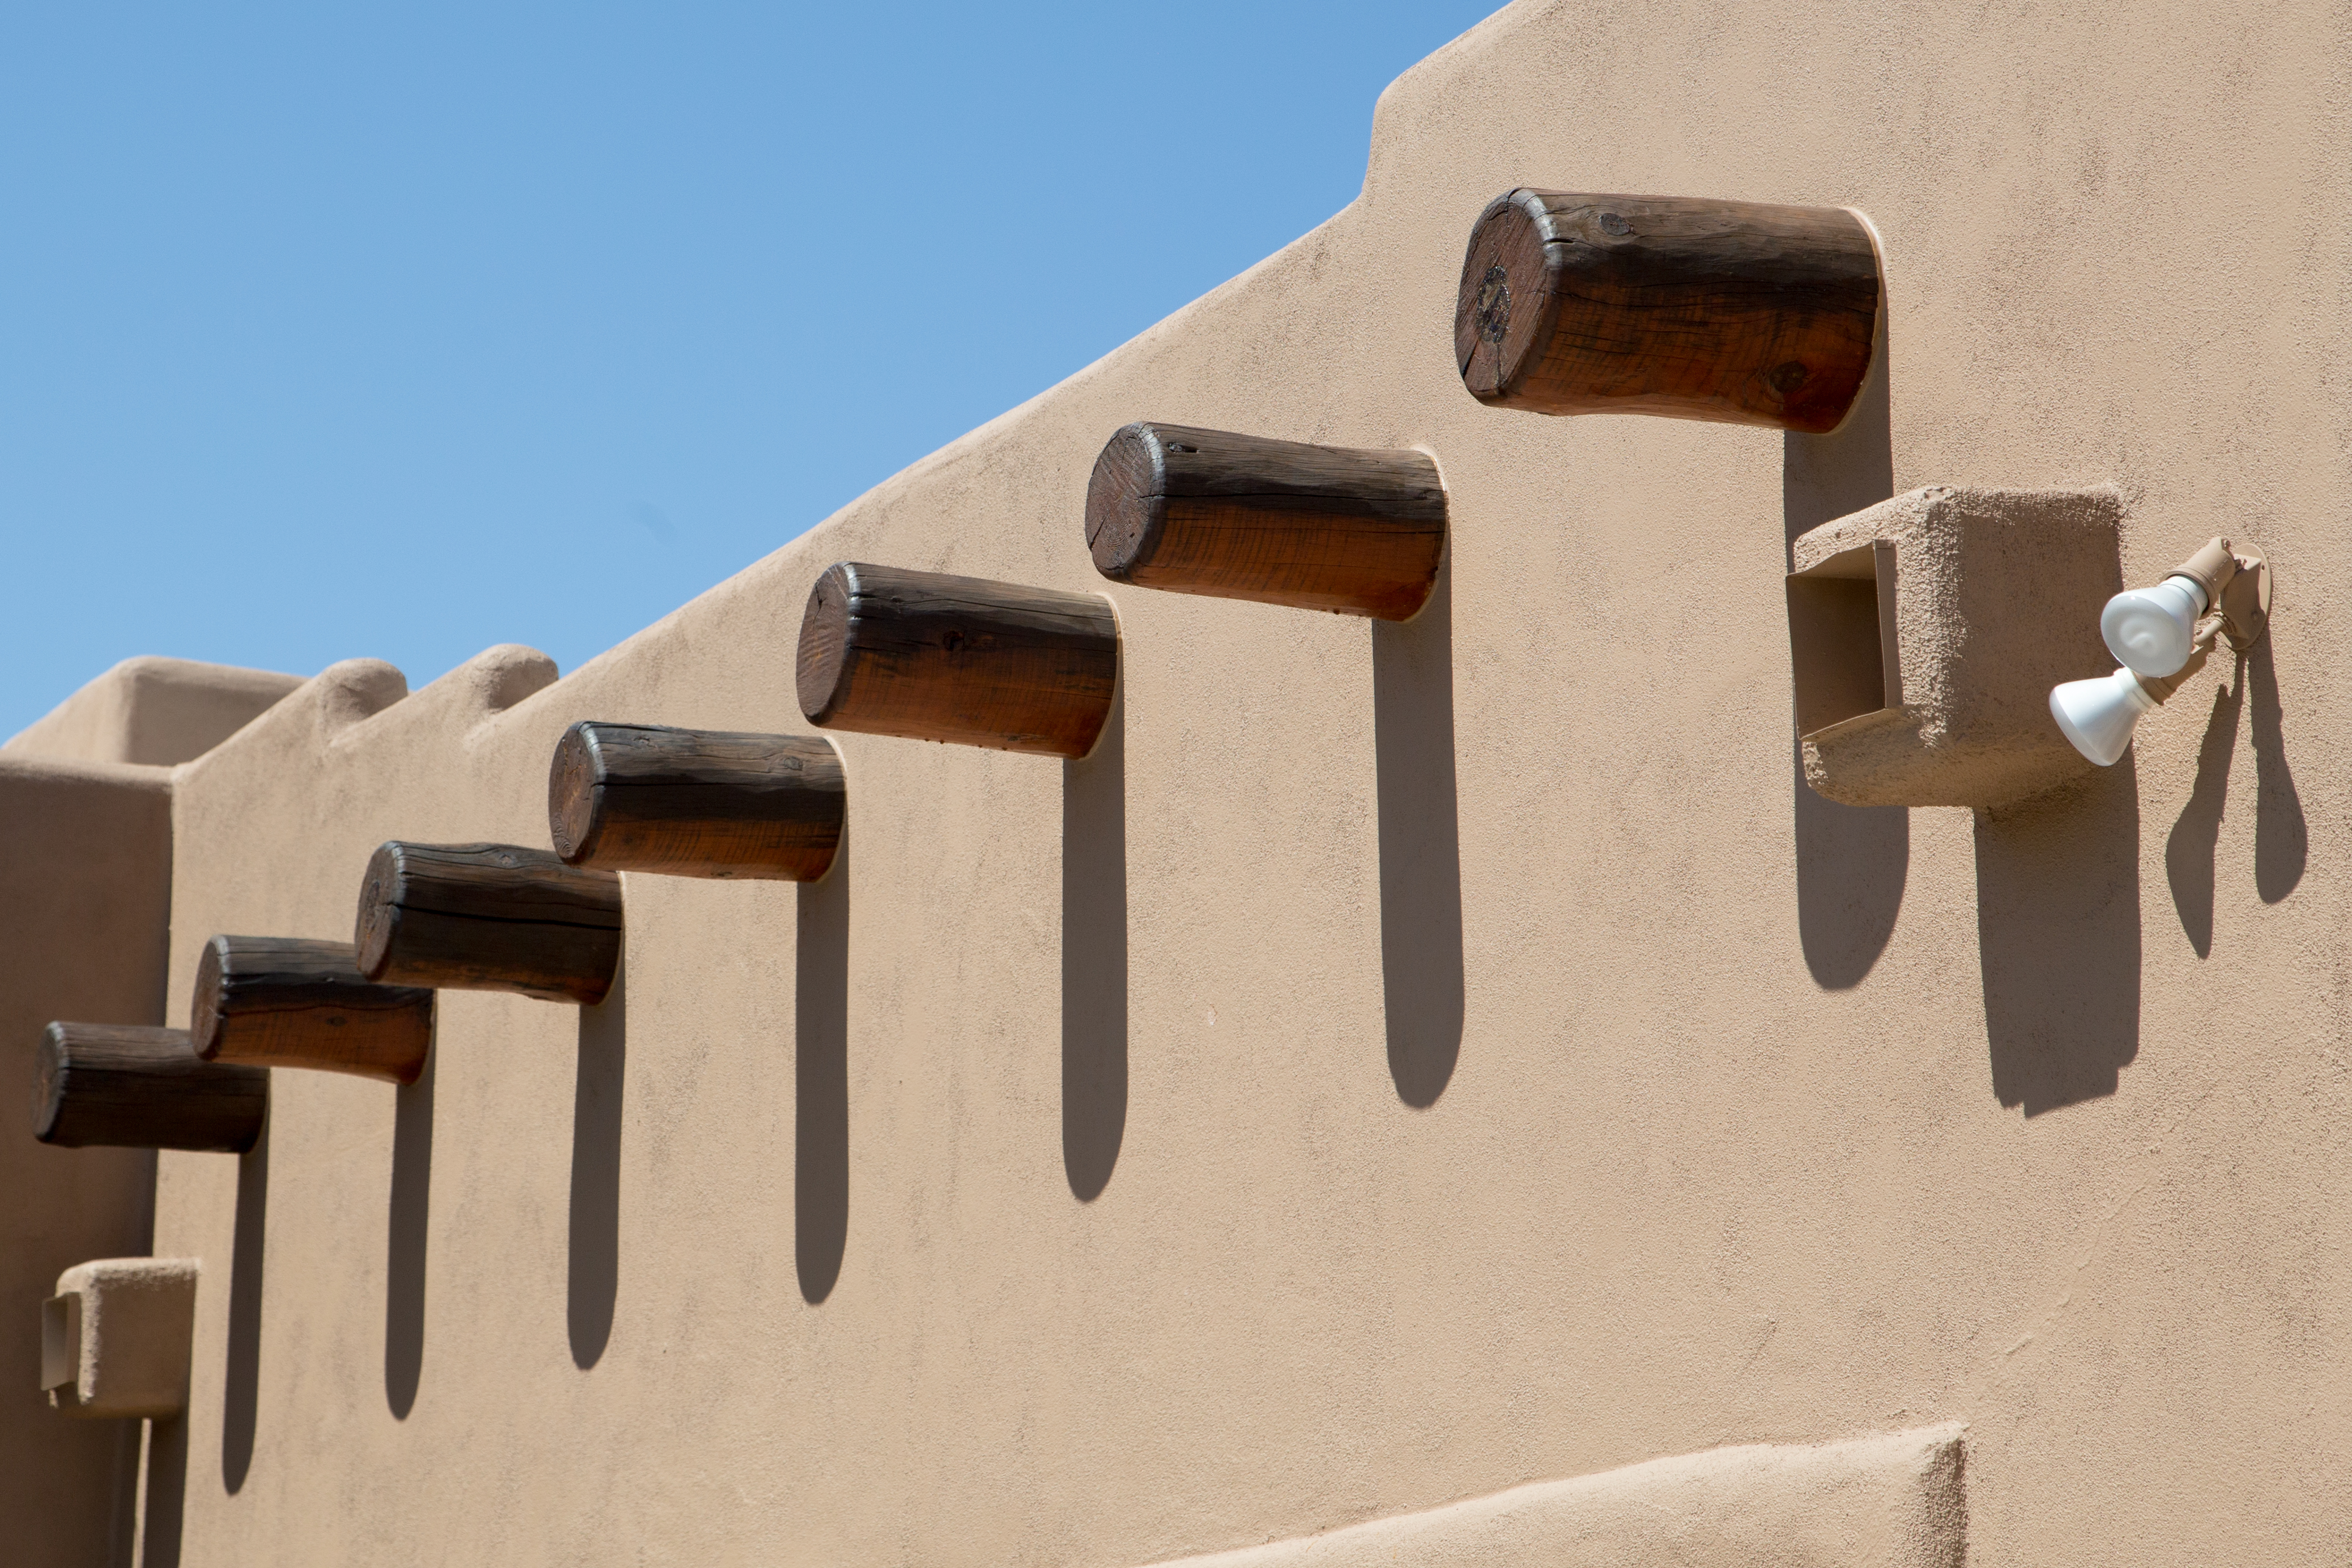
<point x="933" y="658"/>
<point x="271" y="1000"/>
<point x="488" y="917"/>
<point x="696" y="803"/>
<point x="1357" y="531"/>
<point x="109" y="1085"/>
<point x="1734" y="311"/>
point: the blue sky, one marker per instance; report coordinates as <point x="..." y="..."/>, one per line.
<point x="331" y="331"/>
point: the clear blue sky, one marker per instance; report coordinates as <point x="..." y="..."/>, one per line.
<point x="331" y="331"/>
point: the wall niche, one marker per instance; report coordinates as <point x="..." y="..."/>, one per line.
<point x="1925" y="634"/>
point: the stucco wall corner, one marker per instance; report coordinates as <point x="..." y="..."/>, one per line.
<point x="152" y="711"/>
<point x="85" y="902"/>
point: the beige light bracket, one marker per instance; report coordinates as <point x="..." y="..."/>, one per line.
<point x="2230" y="591"/>
<point x="2210" y="630"/>
<point x="2237" y="584"/>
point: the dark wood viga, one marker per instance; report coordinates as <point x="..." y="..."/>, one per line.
<point x="933" y="658"/>
<point x="696" y="803"/>
<point x="488" y="917"/>
<point x="1357" y="531"/>
<point x="1735" y="311"/>
<point x="274" y="1001"/>
<point x="109" y="1085"/>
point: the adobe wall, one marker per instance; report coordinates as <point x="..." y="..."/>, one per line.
<point x="85" y="896"/>
<point x="85" y="912"/>
<point x="154" y="712"/>
<point x="1404" y="1061"/>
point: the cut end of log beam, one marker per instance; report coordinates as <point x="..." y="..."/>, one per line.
<point x="1355" y="530"/>
<point x="696" y="803"/>
<point x="108" y="1085"/>
<point x="933" y="658"/>
<point x="821" y="662"/>
<point x="1733" y="311"/>
<point x="488" y="917"/>
<point x="291" y="1002"/>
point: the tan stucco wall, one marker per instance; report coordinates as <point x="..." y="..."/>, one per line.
<point x="152" y="711"/>
<point x="1766" y="1121"/>
<point x="85" y="896"/>
<point x="1891" y="1500"/>
<point x="85" y="912"/>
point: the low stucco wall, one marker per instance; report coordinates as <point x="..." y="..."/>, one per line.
<point x="84" y="912"/>
<point x="85" y="898"/>
<point x="1403" y="1061"/>
<point x="151" y="710"/>
<point x="1896" y="1501"/>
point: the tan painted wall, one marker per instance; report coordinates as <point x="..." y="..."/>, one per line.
<point x="851" y="1232"/>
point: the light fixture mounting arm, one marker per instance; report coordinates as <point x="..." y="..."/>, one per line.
<point x="2237" y="584"/>
<point x="2162" y="687"/>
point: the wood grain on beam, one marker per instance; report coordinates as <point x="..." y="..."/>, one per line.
<point x="271" y="1000"/>
<point x="696" y="803"/>
<point x="109" y="1085"/>
<point x="1734" y="311"/>
<point x="1357" y="531"/>
<point x="933" y="658"/>
<point x="488" y="917"/>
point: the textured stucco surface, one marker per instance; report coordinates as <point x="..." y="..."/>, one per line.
<point x="1896" y="1501"/>
<point x="85" y="908"/>
<point x="137" y="1319"/>
<point x="85" y="898"/>
<point x="840" y="1236"/>
<point x="1997" y="600"/>
<point x="152" y="711"/>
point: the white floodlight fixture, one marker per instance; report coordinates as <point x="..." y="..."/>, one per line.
<point x="2099" y="715"/>
<point x="2150" y="630"/>
<point x="2162" y="634"/>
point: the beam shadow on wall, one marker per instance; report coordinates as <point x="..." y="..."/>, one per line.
<point x="2190" y="847"/>
<point x="1851" y="860"/>
<point x="820" y="1080"/>
<point x="240" y="1398"/>
<point x="1421" y="985"/>
<point x="405" y="1251"/>
<point x="2281" y="839"/>
<point x="1093" y="958"/>
<point x="592" y="1277"/>
<point x="167" y="1484"/>
<point x="2058" y="940"/>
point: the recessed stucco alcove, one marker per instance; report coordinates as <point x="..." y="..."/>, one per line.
<point x="1925" y="634"/>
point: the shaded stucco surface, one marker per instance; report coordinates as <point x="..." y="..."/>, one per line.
<point x="85" y="912"/>
<point x="85" y="896"/>
<point x="1523" y="1076"/>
